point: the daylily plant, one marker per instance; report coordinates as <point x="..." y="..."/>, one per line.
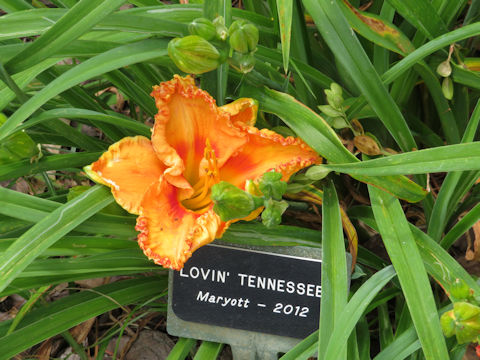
<point x="195" y="144"/>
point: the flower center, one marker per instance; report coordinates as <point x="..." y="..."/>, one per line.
<point x="200" y="200"/>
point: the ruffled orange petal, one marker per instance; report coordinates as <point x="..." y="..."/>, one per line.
<point x="128" y="167"/>
<point x="188" y="117"/>
<point x="265" y="151"/>
<point x="169" y="233"/>
<point x="207" y="228"/>
<point x="243" y="110"/>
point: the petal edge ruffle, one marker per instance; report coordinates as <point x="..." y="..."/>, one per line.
<point x="266" y="151"/>
<point x="128" y="167"/>
<point x="169" y="233"/>
<point x="187" y="118"/>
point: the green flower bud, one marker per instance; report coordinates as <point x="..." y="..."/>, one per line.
<point x="221" y="29"/>
<point x="336" y="89"/>
<point x="202" y="27"/>
<point x="232" y="202"/>
<point x="193" y="54"/>
<point x="463" y="321"/>
<point x="243" y="63"/>
<point x="329" y="110"/>
<point x="252" y="188"/>
<point x="447" y="88"/>
<point x="272" y="186"/>
<point x="447" y="322"/>
<point x="460" y="290"/>
<point x="317" y="172"/>
<point x="243" y="36"/>
<point x="272" y="215"/>
<point x="334" y="96"/>
<point x="339" y="122"/>
<point x="444" y="69"/>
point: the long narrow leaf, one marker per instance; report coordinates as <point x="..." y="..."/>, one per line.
<point x="377" y="30"/>
<point x="181" y="349"/>
<point x="438" y="43"/>
<point x="354" y="310"/>
<point x="31" y="244"/>
<point x="14" y="5"/>
<point x="334" y="270"/>
<point x="208" y="350"/>
<point x="51" y="162"/>
<point x="67" y="312"/>
<point x="440" y="159"/>
<point x="79" y="19"/>
<point x="304" y="349"/>
<point x="110" y="60"/>
<point x="438" y="262"/>
<point x="111" y="118"/>
<point x="34" y="209"/>
<point x="336" y="32"/>
<point x="403" y="346"/>
<point x="405" y="257"/>
<point x="284" y="8"/>
<point x="461" y="227"/>
<point x="422" y="15"/>
<point x="321" y="137"/>
<point x="446" y="201"/>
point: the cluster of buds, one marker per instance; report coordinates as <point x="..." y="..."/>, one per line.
<point x="206" y="48"/>
<point x="243" y="44"/>
<point x="335" y="114"/>
<point x="335" y="110"/>
<point x="444" y="69"/>
<point x="463" y="320"/>
<point x="233" y="203"/>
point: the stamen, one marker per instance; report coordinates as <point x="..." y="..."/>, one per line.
<point x="200" y="199"/>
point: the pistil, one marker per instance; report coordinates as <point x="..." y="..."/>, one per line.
<point x="200" y="200"/>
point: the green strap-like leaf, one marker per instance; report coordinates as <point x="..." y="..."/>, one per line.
<point x="441" y="159"/>
<point x="304" y="349"/>
<point x="34" y="209"/>
<point x="14" y="5"/>
<point x="406" y="259"/>
<point x="63" y="314"/>
<point x="51" y="162"/>
<point x="422" y="15"/>
<point x="404" y="345"/>
<point x="62" y="220"/>
<point x="337" y="33"/>
<point x="109" y="117"/>
<point x="461" y="227"/>
<point x="208" y="350"/>
<point x="181" y="349"/>
<point x="377" y="30"/>
<point x="354" y="310"/>
<point x="313" y="129"/>
<point x="438" y="262"/>
<point x="284" y="8"/>
<point x="78" y="20"/>
<point x="110" y="60"/>
<point x="334" y="270"/>
<point x="446" y="200"/>
<point x="22" y="79"/>
<point x="430" y="47"/>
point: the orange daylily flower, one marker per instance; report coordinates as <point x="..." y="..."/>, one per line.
<point x="194" y="145"/>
